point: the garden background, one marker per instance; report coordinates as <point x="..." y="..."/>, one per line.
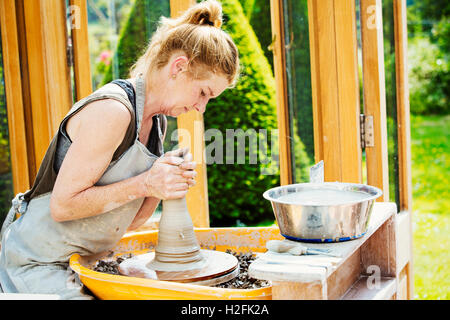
<point x="119" y="29"/>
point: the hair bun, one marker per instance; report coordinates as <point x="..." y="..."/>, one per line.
<point x="206" y="13"/>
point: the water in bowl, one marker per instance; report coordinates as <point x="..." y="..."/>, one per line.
<point x="325" y="197"/>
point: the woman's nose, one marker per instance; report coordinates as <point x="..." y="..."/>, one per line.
<point x="201" y="106"/>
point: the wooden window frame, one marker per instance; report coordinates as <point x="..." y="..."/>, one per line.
<point x="278" y="48"/>
<point x="14" y="100"/>
<point x="335" y="93"/>
<point x="335" y="96"/>
<point x="48" y="70"/>
<point x="37" y="80"/>
<point x="404" y="223"/>
<point x="191" y="135"/>
<point x="80" y="49"/>
<point x="334" y="83"/>
<point x="375" y="94"/>
<point x="333" y="50"/>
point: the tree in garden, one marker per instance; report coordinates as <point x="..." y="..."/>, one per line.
<point x="249" y="106"/>
<point x="247" y="7"/>
<point x="257" y="13"/>
<point x="429" y="54"/>
<point x="141" y="24"/>
<point x="297" y="60"/>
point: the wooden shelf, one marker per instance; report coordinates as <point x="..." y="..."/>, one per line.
<point x="316" y="268"/>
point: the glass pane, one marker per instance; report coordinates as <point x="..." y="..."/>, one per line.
<point x="360" y="79"/>
<point x="391" y="102"/>
<point x="241" y="136"/>
<point x="391" y="99"/>
<point x="71" y="24"/>
<point x="298" y="71"/>
<point x="6" y="185"/>
<point x="119" y="32"/>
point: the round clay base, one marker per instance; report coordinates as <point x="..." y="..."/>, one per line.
<point x="218" y="267"/>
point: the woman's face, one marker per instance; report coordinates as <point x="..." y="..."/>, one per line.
<point x="184" y="94"/>
<point x="190" y="94"/>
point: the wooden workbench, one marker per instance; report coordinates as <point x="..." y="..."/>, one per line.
<point x="364" y="268"/>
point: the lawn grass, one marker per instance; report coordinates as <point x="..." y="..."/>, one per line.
<point x="430" y="168"/>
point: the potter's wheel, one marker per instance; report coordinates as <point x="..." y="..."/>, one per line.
<point x="177" y="256"/>
<point x="216" y="267"/>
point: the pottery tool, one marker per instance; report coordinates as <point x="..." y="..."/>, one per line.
<point x="294" y="248"/>
<point x="178" y="256"/>
<point x="316" y="173"/>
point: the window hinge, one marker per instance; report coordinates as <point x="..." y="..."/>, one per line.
<point x="366" y="125"/>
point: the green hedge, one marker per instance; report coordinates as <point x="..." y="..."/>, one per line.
<point x="429" y="56"/>
<point x="258" y="14"/>
<point x="429" y="77"/>
<point x="235" y="190"/>
<point x="297" y="59"/>
<point x="141" y="24"/>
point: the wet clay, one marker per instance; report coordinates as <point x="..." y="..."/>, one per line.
<point x="217" y="267"/>
<point x="177" y="248"/>
<point x="177" y="256"/>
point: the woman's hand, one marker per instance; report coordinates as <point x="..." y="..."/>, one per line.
<point x="171" y="175"/>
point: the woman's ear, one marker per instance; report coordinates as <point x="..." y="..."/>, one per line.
<point x="178" y="66"/>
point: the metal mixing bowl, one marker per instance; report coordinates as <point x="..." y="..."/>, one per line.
<point x="303" y="221"/>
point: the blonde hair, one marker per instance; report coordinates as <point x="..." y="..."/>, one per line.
<point x="197" y="34"/>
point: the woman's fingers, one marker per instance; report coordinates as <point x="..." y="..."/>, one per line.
<point x="188" y="165"/>
<point x="191" y="182"/>
<point x="189" y="174"/>
<point x="177" y="152"/>
<point x="172" y="160"/>
<point x="172" y="175"/>
<point x="188" y="157"/>
<point x="181" y="186"/>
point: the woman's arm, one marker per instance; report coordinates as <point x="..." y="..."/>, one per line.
<point x="145" y="212"/>
<point x="100" y="129"/>
<point x="150" y="204"/>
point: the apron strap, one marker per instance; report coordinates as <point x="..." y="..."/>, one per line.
<point x="19" y="206"/>
<point x="46" y="175"/>
<point x="140" y="100"/>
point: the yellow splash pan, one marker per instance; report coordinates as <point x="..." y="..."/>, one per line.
<point x="116" y="287"/>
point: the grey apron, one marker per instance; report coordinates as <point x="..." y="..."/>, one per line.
<point x="36" y="249"/>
